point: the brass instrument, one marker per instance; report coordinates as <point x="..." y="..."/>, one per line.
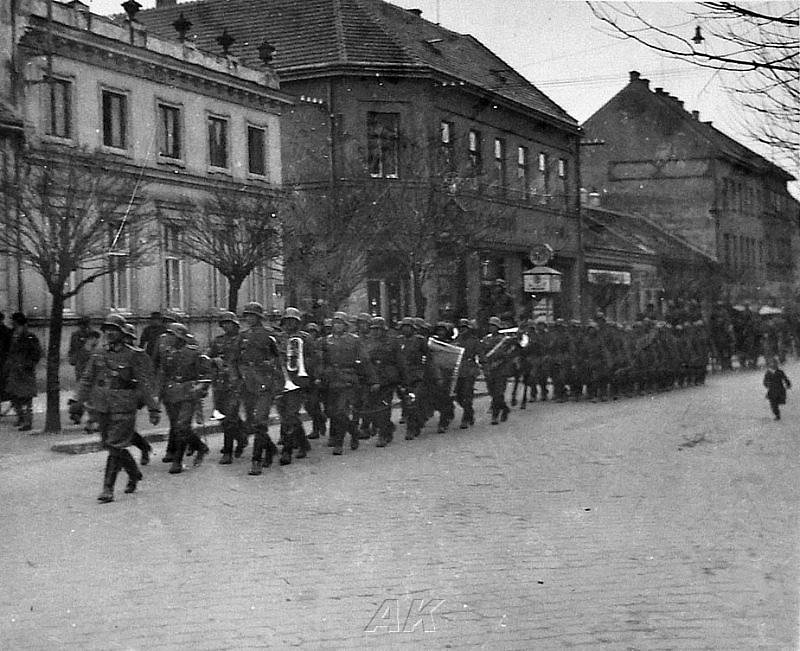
<point x="501" y="353"/>
<point x="295" y="363"/>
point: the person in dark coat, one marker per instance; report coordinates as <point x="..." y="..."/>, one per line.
<point x="5" y="342"/>
<point x="79" y="352"/>
<point x="152" y="331"/>
<point x="19" y="371"/>
<point x="776" y="382"/>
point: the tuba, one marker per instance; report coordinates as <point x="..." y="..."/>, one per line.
<point x="295" y="363"/>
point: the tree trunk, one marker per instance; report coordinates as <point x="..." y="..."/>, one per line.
<point x="53" y="386"/>
<point x="234" y="285"/>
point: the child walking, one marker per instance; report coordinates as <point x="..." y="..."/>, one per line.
<point x="776" y="382"/>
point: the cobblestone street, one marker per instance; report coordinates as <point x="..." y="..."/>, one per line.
<point x="668" y="521"/>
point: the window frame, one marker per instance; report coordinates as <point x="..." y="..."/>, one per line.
<point x="125" y="126"/>
<point x="264" y="147"/>
<point x="523" y="171"/>
<point x="475" y="151"/>
<point x="226" y="120"/>
<point x="500" y="165"/>
<point x="374" y="137"/>
<point x="447" y="149"/>
<point x="119" y="301"/>
<point x="179" y="131"/>
<point x="47" y="104"/>
<point x="173" y="257"/>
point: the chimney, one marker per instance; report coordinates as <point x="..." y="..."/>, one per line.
<point x="709" y="123"/>
<point x="165" y="3"/>
<point x="696" y="115"/>
<point x="634" y="75"/>
<point x="416" y="12"/>
<point x="659" y="90"/>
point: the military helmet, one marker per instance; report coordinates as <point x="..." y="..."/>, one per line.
<point x="495" y="321"/>
<point x="254" y="308"/>
<point x="128" y="330"/>
<point x="312" y="327"/>
<point x="113" y="320"/>
<point x="500" y="282"/>
<point x="341" y="316"/>
<point x="463" y="323"/>
<point x="419" y="322"/>
<point x="228" y="316"/>
<point x="365" y="317"/>
<point x="407" y="321"/>
<point x="179" y="330"/>
<point x="542" y="320"/>
<point x="327" y="323"/>
<point x="292" y="313"/>
<point x="171" y="317"/>
<point x="378" y="322"/>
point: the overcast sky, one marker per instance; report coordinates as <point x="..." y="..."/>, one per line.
<point x="565" y="51"/>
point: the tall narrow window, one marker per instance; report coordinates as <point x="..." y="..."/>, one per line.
<point x="173" y="267"/>
<point x="219" y="289"/>
<point x="475" y="155"/>
<point x="169" y="131"/>
<point x="523" y="172"/>
<point x="562" y="177"/>
<point x="58" y="108"/>
<point x="383" y="153"/>
<point x="119" y="278"/>
<point x="115" y="119"/>
<point x="544" y="177"/>
<point x="218" y="142"/>
<point x="256" y="151"/>
<point x="447" y="149"/>
<point x="500" y="165"/>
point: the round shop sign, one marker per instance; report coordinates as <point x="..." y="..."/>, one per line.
<point x="540" y="254"/>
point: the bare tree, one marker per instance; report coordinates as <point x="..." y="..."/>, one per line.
<point x="76" y="219"/>
<point x="759" y="42"/>
<point x="328" y="236"/>
<point x="236" y="231"/>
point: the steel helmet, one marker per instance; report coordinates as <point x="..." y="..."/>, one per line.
<point x="292" y="313"/>
<point x="228" y="316"/>
<point x="254" y="308"/>
<point x="113" y="320"/>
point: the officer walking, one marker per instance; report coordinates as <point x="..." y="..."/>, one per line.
<point x="344" y="361"/>
<point x="496" y="368"/>
<point x="226" y="384"/>
<point x="259" y="362"/>
<point x="111" y="385"/>
<point x="384" y="354"/>
<point x="414" y="357"/>
<point x="184" y="375"/>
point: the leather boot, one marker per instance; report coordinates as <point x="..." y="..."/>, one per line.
<point x="134" y="474"/>
<point x="202" y="451"/>
<point x="177" y="461"/>
<point x="109" y="479"/>
<point x="286" y="456"/>
<point x="255" y="468"/>
<point x="270" y="452"/>
<point x="227" y="459"/>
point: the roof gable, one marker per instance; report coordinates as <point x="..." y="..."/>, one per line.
<point x="311" y="35"/>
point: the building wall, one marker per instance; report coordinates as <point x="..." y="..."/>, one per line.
<point x="325" y="139"/>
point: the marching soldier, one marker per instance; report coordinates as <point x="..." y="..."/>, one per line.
<point x="468" y="371"/>
<point x="19" y="370"/>
<point x="129" y="337"/>
<point x="413" y="362"/>
<point x="226" y="385"/>
<point x="344" y="361"/>
<point x="496" y="369"/>
<point x="112" y="384"/>
<point x="259" y="362"/>
<point x="296" y="358"/>
<point x="440" y="386"/>
<point x="184" y="375"/>
<point x="384" y="354"/>
<point x="313" y="393"/>
<point x="537" y="352"/>
<point x="361" y="422"/>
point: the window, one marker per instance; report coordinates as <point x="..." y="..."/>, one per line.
<point x="544" y="176"/>
<point x="119" y="278"/>
<point x="447" y="140"/>
<point x="500" y="164"/>
<point x="218" y="142"/>
<point x="562" y="175"/>
<point x="258" y="286"/>
<point x="383" y="132"/>
<point x="219" y="288"/>
<point x="523" y="172"/>
<point x="173" y="267"/>
<point x="71" y="303"/>
<point x="169" y="131"/>
<point x="475" y="155"/>
<point x="256" y="150"/>
<point x="115" y="119"/>
<point x="58" y="108"/>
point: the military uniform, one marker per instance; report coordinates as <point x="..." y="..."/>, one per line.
<point x="226" y="386"/>
<point x="344" y="362"/>
<point x="468" y="371"/>
<point x="413" y="370"/>
<point x="19" y="370"/>
<point x="297" y="354"/>
<point x="259" y="362"/>
<point x="384" y="355"/>
<point x="183" y="373"/>
<point x="313" y="395"/>
<point x="496" y="364"/>
<point x="114" y="381"/>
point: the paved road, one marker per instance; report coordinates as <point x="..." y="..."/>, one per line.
<point x="663" y="522"/>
